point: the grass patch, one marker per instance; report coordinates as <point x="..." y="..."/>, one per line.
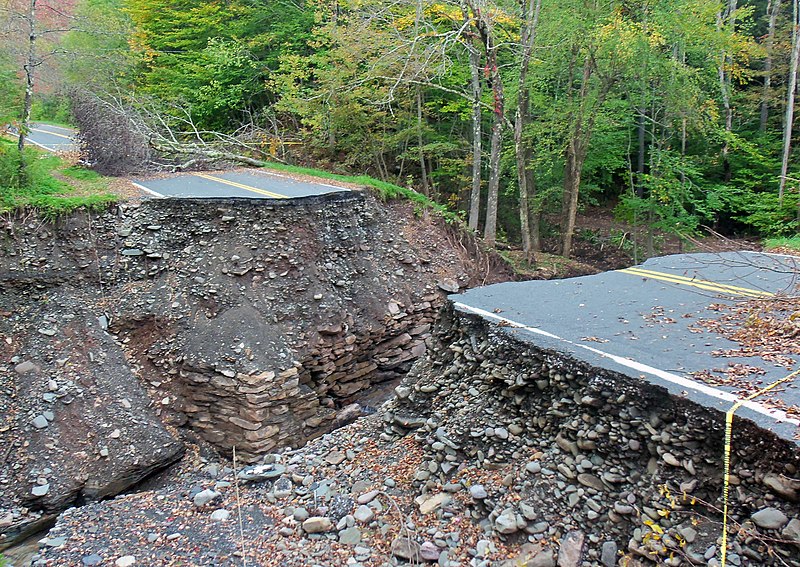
<point x="50" y="185"/>
<point x="547" y="266"/>
<point x="77" y="172"/>
<point x="384" y="190"/>
<point x="790" y="242"/>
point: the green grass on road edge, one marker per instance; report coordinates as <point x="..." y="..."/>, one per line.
<point x="791" y="242"/>
<point x="54" y="188"/>
<point x="385" y="190"/>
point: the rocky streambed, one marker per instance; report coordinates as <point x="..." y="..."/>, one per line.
<point x="492" y="452"/>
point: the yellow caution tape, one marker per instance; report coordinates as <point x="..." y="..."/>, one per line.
<point x="726" y="460"/>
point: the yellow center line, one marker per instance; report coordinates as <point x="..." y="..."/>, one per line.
<point x="698" y="280"/>
<point x="241" y="186"/>
<point x="698" y="283"/>
<point x="70" y="138"/>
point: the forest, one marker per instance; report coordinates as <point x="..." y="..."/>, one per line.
<point x="513" y="115"/>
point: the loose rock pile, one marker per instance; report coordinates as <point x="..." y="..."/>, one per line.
<point x="493" y="453"/>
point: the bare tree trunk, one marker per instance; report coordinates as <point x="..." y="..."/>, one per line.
<point x="490" y="228"/>
<point x="572" y="182"/>
<point x="576" y="154"/>
<point x="790" y="95"/>
<point x="487" y="36"/>
<point x="477" y="134"/>
<point x="423" y="168"/>
<point x="726" y="86"/>
<point x="477" y="131"/>
<point x="773" y="9"/>
<point x="521" y="119"/>
<point x="582" y="126"/>
<point x="641" y="153"/>
<point x="30" y="75"/>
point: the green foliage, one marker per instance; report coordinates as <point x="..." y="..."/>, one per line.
<point x="364" y="88"/>
<point x="10" y="91"/>
<point x="36" y="186"/>
<point x="766" y="215"/>
<point x="214" y="57"/>
<point x="792" y="242"/>
<point x="77" y="172"/>
<point x="672" y="201"/>
<point x="52" y="108"/>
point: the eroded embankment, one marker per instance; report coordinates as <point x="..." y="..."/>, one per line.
<point x="256" y="323"/>
<point x="493" y="453"/>
<point x="611" y="459"/>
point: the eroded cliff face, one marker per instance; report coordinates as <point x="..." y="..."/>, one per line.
<point x="258" y="324"/>
<point x="494" y="453"/>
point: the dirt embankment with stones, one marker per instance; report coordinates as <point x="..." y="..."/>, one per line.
<point x="492" y="453"/>
<point x="255" y="324"/>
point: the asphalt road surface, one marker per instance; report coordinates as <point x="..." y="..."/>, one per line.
<point x="52" y="138"/>
<point x="641" y="322"/>
<point x="248" y="184"/>
<point x="251" y="184"/>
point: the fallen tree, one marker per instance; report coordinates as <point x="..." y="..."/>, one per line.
<point x="121" y="134"/>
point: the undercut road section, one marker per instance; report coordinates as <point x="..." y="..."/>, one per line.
<point x="662" y="322"/>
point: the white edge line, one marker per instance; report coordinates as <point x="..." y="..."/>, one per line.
<point x="146" y="190"/>
<point x="775" y="414"/>
<point x="51" y="150"/>
<point x="780" y="255"/>
<point x="268" y="172"/>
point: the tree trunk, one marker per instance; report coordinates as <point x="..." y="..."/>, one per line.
<point x="773" y="9"/>
<point x="572" y="182"/>
<point x="30" y="70"/>
<point x="423" y="168"/>
<point x="726" y="86"/>
<point x="790" y="95"/>
<point x="475" y="193"/>
<point x="523" y="154"/>
<point x="641" y="153"/>
<point x="575" y="154"/>
<point x="521" y="119"/>
<point x="583" y="125"/>
<point x="490" y="228"/>
<point x="493" y="71"/>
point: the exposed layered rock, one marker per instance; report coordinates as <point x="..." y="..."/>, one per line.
<point x="265" y="321"/>
<point x="256" y="323"/>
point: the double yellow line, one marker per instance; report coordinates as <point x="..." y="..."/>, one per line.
<point x="241" y="186"/>
<point x="70" y="138"/>
<point x="698" y="283"/>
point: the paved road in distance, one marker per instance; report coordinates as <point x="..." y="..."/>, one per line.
<point x="251" y="184"/>
<point x="53" y="138"/>
<point x="641" y="322"/>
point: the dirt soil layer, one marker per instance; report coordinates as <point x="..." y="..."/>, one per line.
<point x="492" y="453"/>
<point x="258" y="324"/>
